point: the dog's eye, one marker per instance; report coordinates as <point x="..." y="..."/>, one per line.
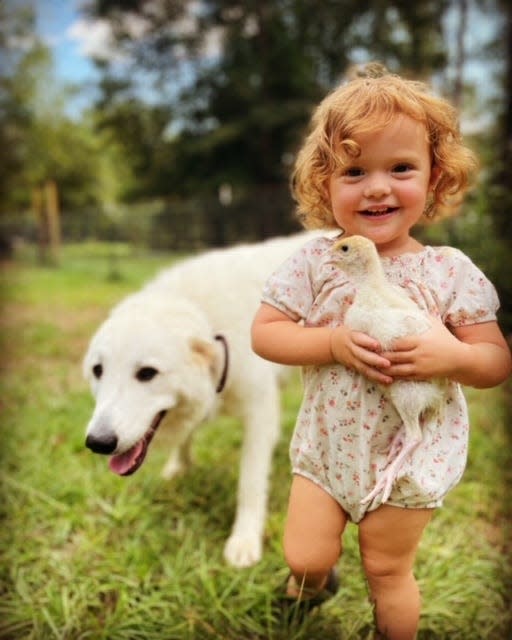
<point x="144" y="374"/>
<point x="97" y="371"/>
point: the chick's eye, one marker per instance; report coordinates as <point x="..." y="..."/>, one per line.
<point x="97" y="371"/>
<point x="145" y="374"/>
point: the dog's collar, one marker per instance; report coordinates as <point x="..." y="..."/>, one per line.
<point x="224" y="375"/>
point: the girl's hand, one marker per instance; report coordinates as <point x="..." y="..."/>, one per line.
<point x="436" y="353"/>
<point x="360" y="352"/>
<point x="476" y="355"/>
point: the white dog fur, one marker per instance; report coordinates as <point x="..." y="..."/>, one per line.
<point x="156" y="359"/>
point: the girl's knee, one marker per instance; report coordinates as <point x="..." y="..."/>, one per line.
<point x="387" y="567"/>
<point x="389" y="539"/>
<point x="313" y="558"/>
<point x="314" y="527"/>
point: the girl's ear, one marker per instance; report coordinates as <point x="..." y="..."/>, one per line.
<point x="435" y="176"/>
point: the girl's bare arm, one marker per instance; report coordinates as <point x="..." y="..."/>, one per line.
<point x="476" y="355"/>
<point x="279" y="338"/>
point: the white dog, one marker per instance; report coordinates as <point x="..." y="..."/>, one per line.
<point x="176" y="353"/>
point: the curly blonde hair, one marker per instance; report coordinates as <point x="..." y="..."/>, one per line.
<point x="370" y="103"/>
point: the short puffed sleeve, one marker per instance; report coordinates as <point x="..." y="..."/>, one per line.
<point x="469" y="297"/>
<point x="290" y="288"/>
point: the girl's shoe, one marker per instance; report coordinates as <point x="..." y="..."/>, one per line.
<point x="296" y="609"/>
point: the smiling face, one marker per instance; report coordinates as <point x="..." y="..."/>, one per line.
<point x="381" y="193"/>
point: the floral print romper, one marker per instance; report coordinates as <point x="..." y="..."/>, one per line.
<point x="346" y="423"/>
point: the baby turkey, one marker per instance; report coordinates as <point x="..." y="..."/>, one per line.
<point x="385" y="312"/>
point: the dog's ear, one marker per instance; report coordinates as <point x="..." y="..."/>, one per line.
<point x="209" y="354"/>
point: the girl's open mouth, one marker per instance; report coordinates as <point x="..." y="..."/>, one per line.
<point x="378" y="212"/>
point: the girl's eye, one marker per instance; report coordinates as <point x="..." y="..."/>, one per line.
<point x="353" y="172"/>
<point x="402" y="168"/>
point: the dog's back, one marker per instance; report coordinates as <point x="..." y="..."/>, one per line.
<point x="227" y="283"/>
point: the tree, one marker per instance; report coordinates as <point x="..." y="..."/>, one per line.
<point x="498" y="193"/>
<point x="503" y="177"/>
<point x="239" y="117"/>
<point x="50" y="163"/>
<point x="16" y="88"/>
<point x="407" y="36"/>
<point x="137" y="131"/>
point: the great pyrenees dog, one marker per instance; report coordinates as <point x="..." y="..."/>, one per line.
<point x="176" y="353"/>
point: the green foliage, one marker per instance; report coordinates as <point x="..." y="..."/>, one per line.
<point x="240" y="116"/>
<point x="86" y="554"/>
<point x="476" y="234"/>
<point x="42" y="142"/>
<point x="231" y="88"/>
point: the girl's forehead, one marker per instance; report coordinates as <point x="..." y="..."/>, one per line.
<point x="399" y="122"/>
<point x="393" y="136"/>
<point x="383" y="121"/>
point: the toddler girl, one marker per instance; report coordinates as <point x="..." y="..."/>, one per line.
<point x="382" y="153"/>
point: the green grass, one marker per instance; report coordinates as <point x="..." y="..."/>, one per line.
<point x="85" y="554"/>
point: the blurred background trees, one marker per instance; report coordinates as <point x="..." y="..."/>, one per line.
<point x="198" y="117"/>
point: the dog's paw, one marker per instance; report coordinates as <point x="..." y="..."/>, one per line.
<point x="243" y="551"/>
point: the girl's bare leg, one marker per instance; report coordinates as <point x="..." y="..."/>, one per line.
<point x="312" y="538"/>
<point x="388" y="540"/>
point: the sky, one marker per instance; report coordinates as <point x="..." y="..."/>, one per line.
<point x="72" y="40"/>
<point x="58" y="23"/>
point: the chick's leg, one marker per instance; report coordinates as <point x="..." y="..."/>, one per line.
<point x="402" y="446"/>
<point x="397" y="443"/>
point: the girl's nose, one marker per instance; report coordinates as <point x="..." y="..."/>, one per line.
<point x="377" y="186"/>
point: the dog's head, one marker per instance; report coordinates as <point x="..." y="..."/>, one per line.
<point x="151" y="361"/>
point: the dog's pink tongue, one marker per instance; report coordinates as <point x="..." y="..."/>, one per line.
<point x="128" y="462"/>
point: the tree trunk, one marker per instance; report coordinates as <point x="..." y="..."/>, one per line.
<point x="53" y="219"/>
<point x="42" y="229"/>
<point x="45" y="205"/>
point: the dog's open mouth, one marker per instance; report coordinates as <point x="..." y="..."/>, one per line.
<point x="124" y="464"/>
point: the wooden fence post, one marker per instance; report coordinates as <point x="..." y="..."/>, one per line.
<point x="53" y="215"/>
<point x="42" y="230"/>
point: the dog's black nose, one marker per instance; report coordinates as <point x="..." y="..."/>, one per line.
<point x="101" y="444"/>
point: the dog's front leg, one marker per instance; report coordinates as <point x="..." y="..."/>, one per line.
<point x="262" y="425"/>
<point x="179" y="460"/>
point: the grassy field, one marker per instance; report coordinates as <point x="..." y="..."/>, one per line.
<point x="86" y="554"/>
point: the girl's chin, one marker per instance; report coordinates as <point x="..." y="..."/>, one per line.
<point x="384" y="238"/>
